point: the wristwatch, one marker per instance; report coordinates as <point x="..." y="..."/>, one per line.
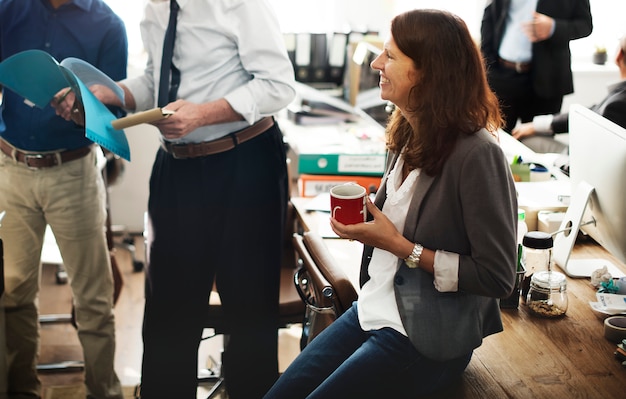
<point x="413" y="260"/>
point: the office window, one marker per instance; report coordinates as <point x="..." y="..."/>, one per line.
<point x="470" y="10"/>
<point x="345" y="15"/>
<point x="609" y="23"/>
<point x="332" y="15"/>
<point x="609" y="20"/>
<point x="132" y="13"/>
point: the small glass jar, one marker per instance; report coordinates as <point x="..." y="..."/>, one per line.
<point x="536" y="256"/>
<point x="537" y="251"/>
<point x="547" y="296"/>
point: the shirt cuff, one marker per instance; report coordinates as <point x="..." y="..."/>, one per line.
<point x="543" y="123"/>
<point x="242" y="102"/>
<point x="446" y="267"/>
<point x="141" y="91"/>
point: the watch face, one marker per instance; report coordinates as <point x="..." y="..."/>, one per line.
<point x="410" y="264"/>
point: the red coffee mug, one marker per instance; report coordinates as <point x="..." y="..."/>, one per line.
<point x="347" y="203"/>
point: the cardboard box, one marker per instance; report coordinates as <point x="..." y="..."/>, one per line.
<point x="312" y="185"/>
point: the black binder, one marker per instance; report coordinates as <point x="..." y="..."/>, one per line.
<point x="337" y="58"/>
<point x="303" y="57"/>
<point x="319" y="57"/>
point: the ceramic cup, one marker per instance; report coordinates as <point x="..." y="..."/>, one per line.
<point x="347" y="203"/>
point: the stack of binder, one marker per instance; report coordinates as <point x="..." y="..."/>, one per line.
<point x="318" y="57"/>
<point x="328" y="154"/>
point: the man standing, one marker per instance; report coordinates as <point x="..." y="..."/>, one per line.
<point x="218" y="189"/>
<point x="539" y="134"/>
<point x="49" y="176"/>
<point x="526" y="47"/>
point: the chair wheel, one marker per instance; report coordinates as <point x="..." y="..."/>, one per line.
<point x="137" y="265"/>
<point x="61" y="277"/>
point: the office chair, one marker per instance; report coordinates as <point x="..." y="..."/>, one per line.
<point x="321" y="283"/>
<point x="291" y="308"/>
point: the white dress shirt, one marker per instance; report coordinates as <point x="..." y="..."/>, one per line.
<point x="515" y="46"/>
<point x="230" y="49"/>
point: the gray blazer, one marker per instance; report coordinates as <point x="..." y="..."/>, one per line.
<point x="470" y="209"/>
<point x="612" y="107"/>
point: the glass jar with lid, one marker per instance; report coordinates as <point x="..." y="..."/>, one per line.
<point x="536" y="256"/>
<point x="537" y="251"/>
<point x="547" y="296"/>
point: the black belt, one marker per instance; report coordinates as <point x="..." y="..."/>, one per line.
<point x="193" y="150"/>
<point x="37" y="160"/>
<point x="519" y="67"/>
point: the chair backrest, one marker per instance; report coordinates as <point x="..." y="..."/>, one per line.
<point x="323" y="285"/>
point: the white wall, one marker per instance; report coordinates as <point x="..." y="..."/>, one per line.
<point x="129" y="196"/>
<point x="590" y="83"/>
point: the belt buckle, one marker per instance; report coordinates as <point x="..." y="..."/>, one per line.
<point x="519" y="67"/>
<point x="172" y="150"/>
<point x="28" y="157"/>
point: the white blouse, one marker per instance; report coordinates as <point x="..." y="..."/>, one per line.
<point x="377" y="307"/>
<point x="377" y="301"/>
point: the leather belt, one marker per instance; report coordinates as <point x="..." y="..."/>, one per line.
<point x="519" y="67"/>
<point x="38" y="160"/>
<point x="230" y="141"/>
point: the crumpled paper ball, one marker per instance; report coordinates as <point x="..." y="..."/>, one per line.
<point x="600" y="276"/>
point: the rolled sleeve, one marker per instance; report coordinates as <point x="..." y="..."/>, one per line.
<point x="141" y="89"/>
<point x="265" y="58"/>
<point x="446" y="269"/>
<point x="543" y="123"/>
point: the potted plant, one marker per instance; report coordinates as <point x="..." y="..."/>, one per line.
<point x="599" y="55"/>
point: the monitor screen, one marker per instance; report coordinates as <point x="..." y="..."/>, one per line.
<point x="598" y="179"/>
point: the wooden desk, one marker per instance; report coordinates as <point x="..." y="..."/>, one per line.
<point x="533" y="357"/>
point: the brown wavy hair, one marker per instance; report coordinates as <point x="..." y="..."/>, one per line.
<point x="451" y="96"/>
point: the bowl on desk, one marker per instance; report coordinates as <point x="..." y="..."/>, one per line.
<point x="615" y="328"/>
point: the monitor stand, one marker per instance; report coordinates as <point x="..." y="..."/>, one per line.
<point x="565" y="238"/>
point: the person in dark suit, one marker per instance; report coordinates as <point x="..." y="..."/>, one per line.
<point x="526" y="47"/>
<point x="539" y="134"/>
<point x="440" y="243"/>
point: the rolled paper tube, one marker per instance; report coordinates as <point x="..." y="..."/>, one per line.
<point x="148" y="116"/>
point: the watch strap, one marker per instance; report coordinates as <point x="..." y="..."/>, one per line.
<point x="413" y="260"/>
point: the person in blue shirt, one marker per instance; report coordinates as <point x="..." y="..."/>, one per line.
<point x="49" y="176"/>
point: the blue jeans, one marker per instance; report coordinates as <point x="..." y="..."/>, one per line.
<point x="346" y="362"/>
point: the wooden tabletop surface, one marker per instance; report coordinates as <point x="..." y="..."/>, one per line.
<point x="533" y="357"/>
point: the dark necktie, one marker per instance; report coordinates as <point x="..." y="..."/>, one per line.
<point x="167" y="90"/>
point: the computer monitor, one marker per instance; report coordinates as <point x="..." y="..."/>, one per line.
<point x="597" y="149"/>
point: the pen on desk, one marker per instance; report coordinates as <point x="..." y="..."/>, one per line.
<point x="62" y="98"/>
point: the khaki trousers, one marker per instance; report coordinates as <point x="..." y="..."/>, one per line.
<point x="71" y="199"/>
